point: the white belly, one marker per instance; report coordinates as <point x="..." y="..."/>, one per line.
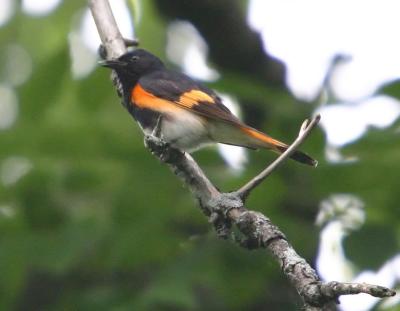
<point x="185" y="131"/>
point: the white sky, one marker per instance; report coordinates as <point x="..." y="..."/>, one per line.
<point x="39" y="7"/>
<point x="307" y="34"/>
<point x="7" y="11"/>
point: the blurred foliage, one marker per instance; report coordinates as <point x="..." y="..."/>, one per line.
<point x="99" y="224"/>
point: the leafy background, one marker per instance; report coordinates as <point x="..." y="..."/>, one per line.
<point x="96" y="223"/>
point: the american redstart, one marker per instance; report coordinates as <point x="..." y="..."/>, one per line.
<point x="192" y="115"/>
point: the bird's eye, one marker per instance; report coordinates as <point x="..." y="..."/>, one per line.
<point x="135" y="58"/>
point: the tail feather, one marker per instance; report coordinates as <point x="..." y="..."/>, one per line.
<point x="262" y="140"/>
<point x="300" y="156"/>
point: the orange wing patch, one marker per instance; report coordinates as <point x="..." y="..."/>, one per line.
<point x="201" y="103"/>
<point x="194" y="97"/>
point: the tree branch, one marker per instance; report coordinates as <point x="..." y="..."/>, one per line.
<point x="225" y="209"/>
<point x="107" y="28"/>
<point x="336" y="289"/>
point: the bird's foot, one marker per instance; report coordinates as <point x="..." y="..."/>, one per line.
<point x="161" y="149"/>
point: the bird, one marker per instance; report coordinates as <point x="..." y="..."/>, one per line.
<point x="189" y="114"/>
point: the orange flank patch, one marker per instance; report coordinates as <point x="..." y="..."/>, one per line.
<point x="193" y="97"/>
<point x="145" y="100"/>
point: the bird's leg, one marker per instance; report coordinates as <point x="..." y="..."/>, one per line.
<point x="157" y="128"/>
<point x="159" y="147"/>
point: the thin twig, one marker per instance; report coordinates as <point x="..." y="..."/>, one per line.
<point x="107" y="28"/>
<point x="305" y="130"/>
<point x="336" y="289"/>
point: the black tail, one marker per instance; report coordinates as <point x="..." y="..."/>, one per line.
<point x="300" y="157"/>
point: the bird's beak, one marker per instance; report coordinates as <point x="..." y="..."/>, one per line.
<point x="112" y="63"/>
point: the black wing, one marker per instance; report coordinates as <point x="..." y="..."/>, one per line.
<point x="188" y="94"/>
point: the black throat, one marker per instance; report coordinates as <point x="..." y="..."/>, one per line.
<point x="124" y="83"/>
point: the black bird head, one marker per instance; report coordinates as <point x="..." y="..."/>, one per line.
<point x="132" y="65"/>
